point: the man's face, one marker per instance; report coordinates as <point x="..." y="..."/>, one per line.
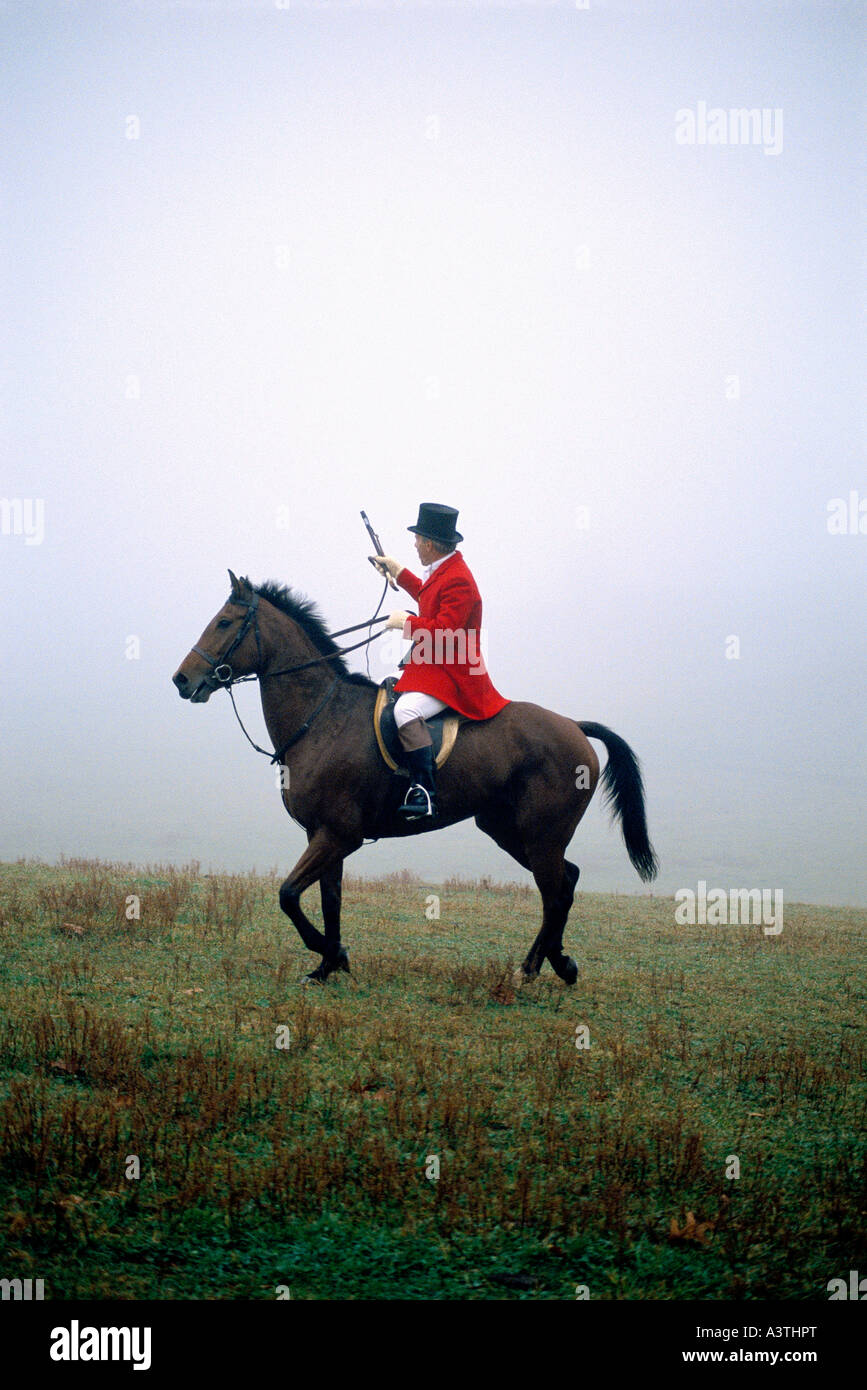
<point x="426" y="550"/>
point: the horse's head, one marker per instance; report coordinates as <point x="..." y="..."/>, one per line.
<point x="233" y="632"/>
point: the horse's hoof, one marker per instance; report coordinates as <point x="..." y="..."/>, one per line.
<point x="311" y="979"/>
<point x="570" y="973"/>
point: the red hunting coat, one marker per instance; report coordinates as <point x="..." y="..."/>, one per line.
<point x="446" y="657"/>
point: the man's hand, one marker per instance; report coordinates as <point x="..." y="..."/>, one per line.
<point x="396" y="619"/>
<point x="386" y="564"/>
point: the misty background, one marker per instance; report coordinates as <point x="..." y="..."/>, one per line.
<point x="264" y="265"/>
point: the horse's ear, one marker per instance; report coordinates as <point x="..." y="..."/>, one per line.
<point x="241" y="588"/>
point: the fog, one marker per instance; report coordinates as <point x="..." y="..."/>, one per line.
<point x="263" y="266"/>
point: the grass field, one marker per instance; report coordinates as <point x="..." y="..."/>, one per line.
<point x="310" y="1166"/>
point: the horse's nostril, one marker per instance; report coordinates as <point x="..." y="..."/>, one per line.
<point x="179" y="680"/>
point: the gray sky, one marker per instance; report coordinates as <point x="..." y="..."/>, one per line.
<point x="262" y="267"/>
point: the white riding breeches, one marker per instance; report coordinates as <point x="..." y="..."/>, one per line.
<point x="416" y="705"/>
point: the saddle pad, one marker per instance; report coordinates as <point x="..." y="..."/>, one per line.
<point x="443" y="731"/>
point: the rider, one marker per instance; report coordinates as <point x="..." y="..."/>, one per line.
<point x="445" y="667"/>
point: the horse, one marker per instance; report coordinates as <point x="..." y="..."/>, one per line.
<point x="527" y="775"/>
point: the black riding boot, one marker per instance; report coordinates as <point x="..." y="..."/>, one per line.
<point x="420" y="802"/>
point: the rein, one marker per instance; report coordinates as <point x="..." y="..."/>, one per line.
<point x="251" y="619"/>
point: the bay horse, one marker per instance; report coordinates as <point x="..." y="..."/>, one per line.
<point x="527" y="775"/>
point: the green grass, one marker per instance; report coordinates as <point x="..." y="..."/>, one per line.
<point x="306" y="1167"/>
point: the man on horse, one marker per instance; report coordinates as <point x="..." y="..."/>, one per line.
<point x="445" y="667"/>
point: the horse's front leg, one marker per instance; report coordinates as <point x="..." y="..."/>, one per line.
<point x="336" y="956"/>
<point x="322" y="860"/>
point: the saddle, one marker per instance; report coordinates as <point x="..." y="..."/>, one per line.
<point x="443" y="730"/>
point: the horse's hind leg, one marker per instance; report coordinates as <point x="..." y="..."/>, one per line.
<point x="563" y="965"/>
<point x="555" y="878"/>
<point x="506" y="836"/>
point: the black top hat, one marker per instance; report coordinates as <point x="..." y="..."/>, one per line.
<point x="437" y="523"/>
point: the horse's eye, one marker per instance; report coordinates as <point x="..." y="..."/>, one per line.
<point x="225" y="622"/>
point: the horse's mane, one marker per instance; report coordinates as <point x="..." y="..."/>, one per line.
<point x="303" y="611"/>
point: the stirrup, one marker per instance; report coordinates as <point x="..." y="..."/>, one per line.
<point x="417" y="810"/>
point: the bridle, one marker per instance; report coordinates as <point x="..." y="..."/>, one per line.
<point x="251" y="619"/>
<point x="222" y="674"/>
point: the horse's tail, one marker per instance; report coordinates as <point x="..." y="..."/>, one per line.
<point x="624" y="794"/>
